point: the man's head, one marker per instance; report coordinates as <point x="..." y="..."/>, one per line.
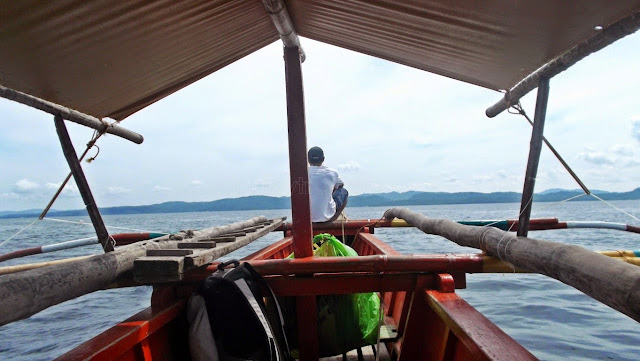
<point x="315" y="156"/>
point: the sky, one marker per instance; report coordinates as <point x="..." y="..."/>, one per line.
<point x="383" y="126"/>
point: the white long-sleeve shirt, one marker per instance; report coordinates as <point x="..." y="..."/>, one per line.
<point x="322" y="182"/>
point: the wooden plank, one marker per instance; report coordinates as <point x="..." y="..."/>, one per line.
<point x="236" y="234"/>
<point x="221" y="239"/>
<point x="169" y="272"/>
<point x="168" y="252"/>
<point x="158" y="266"/>
<point x="202" y="244"/>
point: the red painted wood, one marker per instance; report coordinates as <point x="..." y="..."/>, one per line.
<point x="122" y="338"/>
<point x="270" y="251"/>
<point x="347" y="284"/>
<point x="129" y="238"/>
<point x="375" y="243"/>
<point x="445" y="283"/>
<point x="468" y="324"/>
<point x="367" y="264"/>
<point x="439" y="324"/>
<point x="21" y="253"/>
<point x="299" y="175"/>
<point x="411" y="346"/>
<point x="163" y="296"/>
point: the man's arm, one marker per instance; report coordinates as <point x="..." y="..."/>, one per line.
<point x="339" y="182"/>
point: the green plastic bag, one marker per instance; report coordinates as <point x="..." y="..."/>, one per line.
<point x="345" y="322"/>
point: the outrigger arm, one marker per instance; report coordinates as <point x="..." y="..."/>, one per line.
<point x="70" y="114"/>
<point x="534" y="157"/>
<point x="83" y="185"/>
<point x="605" y="37"/>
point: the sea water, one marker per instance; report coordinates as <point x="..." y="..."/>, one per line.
<point x="552" y="320"/>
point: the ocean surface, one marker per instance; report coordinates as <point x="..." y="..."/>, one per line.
<point x="552" y="320"/>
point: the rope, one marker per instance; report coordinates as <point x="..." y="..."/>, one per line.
<point x="90" y="224"/>
<point x="20" y="231"/>
<point x="614" y="207"/>
<point x="379" y="328"/>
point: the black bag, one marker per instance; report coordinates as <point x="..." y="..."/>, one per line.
<point x="241" y="325"/>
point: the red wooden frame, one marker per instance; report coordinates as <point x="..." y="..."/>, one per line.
<point x="432" y="321"/>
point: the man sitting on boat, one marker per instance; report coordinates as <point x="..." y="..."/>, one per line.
<point x="326" y="192"/>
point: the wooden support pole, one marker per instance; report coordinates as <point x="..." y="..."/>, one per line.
<point x="299" y="174"/>
<point x="614" y="283"/>
<point x="535" y="148"/>
<point x="300" y="204"/>
<point x="83" y="185"/>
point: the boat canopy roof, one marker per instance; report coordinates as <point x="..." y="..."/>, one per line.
<point x="113" y="58"/>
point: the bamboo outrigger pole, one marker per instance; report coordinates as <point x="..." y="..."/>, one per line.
<point x="29" y="292"/>
<point x="607" y="36"/>
<point x="69" y="114"/>
<point x="614" y="283"/>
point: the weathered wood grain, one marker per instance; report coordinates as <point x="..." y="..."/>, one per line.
<point x="614" y="283"/>
<point x="26" y="293"/>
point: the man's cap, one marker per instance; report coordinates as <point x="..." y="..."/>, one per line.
<point x="315" y="155"/>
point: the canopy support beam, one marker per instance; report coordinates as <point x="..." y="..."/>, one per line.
<point x="535" y="148"/>
<point x="282" y="21"/>
<point x="70" y="114"/>
<point x="300" y="203"/>
<point x="607" y="36"/>
<point x="83" y="185"/>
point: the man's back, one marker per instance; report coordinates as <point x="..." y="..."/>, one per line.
<point x="322" y="181"/>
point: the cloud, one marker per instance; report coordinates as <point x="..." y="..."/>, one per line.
<point x="161" y="189"/>
<point x="262" y="183"/>
<point x="117" y="190"/>
<point x="196" y="182"/>
<point x="26" y="186"/>
<point x="420" y="141"/>
<point x="9" y="196"/>
<point x="636" y="128"/>
<point x="623" y="150"/>
<point x="350" y="166"/>
<point x="70" y="190"/>
<point x="596" y="158"/>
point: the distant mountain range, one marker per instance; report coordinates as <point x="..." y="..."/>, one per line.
<point x="411" y="198"/>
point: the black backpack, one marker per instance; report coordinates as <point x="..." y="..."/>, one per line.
<point x="243" y="327"/>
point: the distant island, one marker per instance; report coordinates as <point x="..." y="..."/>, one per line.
<point x="411" y="198"/>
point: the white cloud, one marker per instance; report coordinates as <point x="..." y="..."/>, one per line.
<point x="70" y="189"/>
<point x="636" y="128"/>
<point x="50" y="185"/>
<point x="26" y="186"/>
<point x="597" y="158"/>
<point x="420" y="141"/>
<point x="161" y="189"/>
<point x="262" y="183"/>
<point x="117" y="190"/>
<point x="623" y="150"/>
<point x="9" y="196"/>
<point x="350" y="166"/>
<point x="196" y="182"/>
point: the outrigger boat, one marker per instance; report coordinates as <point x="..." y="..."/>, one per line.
<point x="148" y="50"/>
